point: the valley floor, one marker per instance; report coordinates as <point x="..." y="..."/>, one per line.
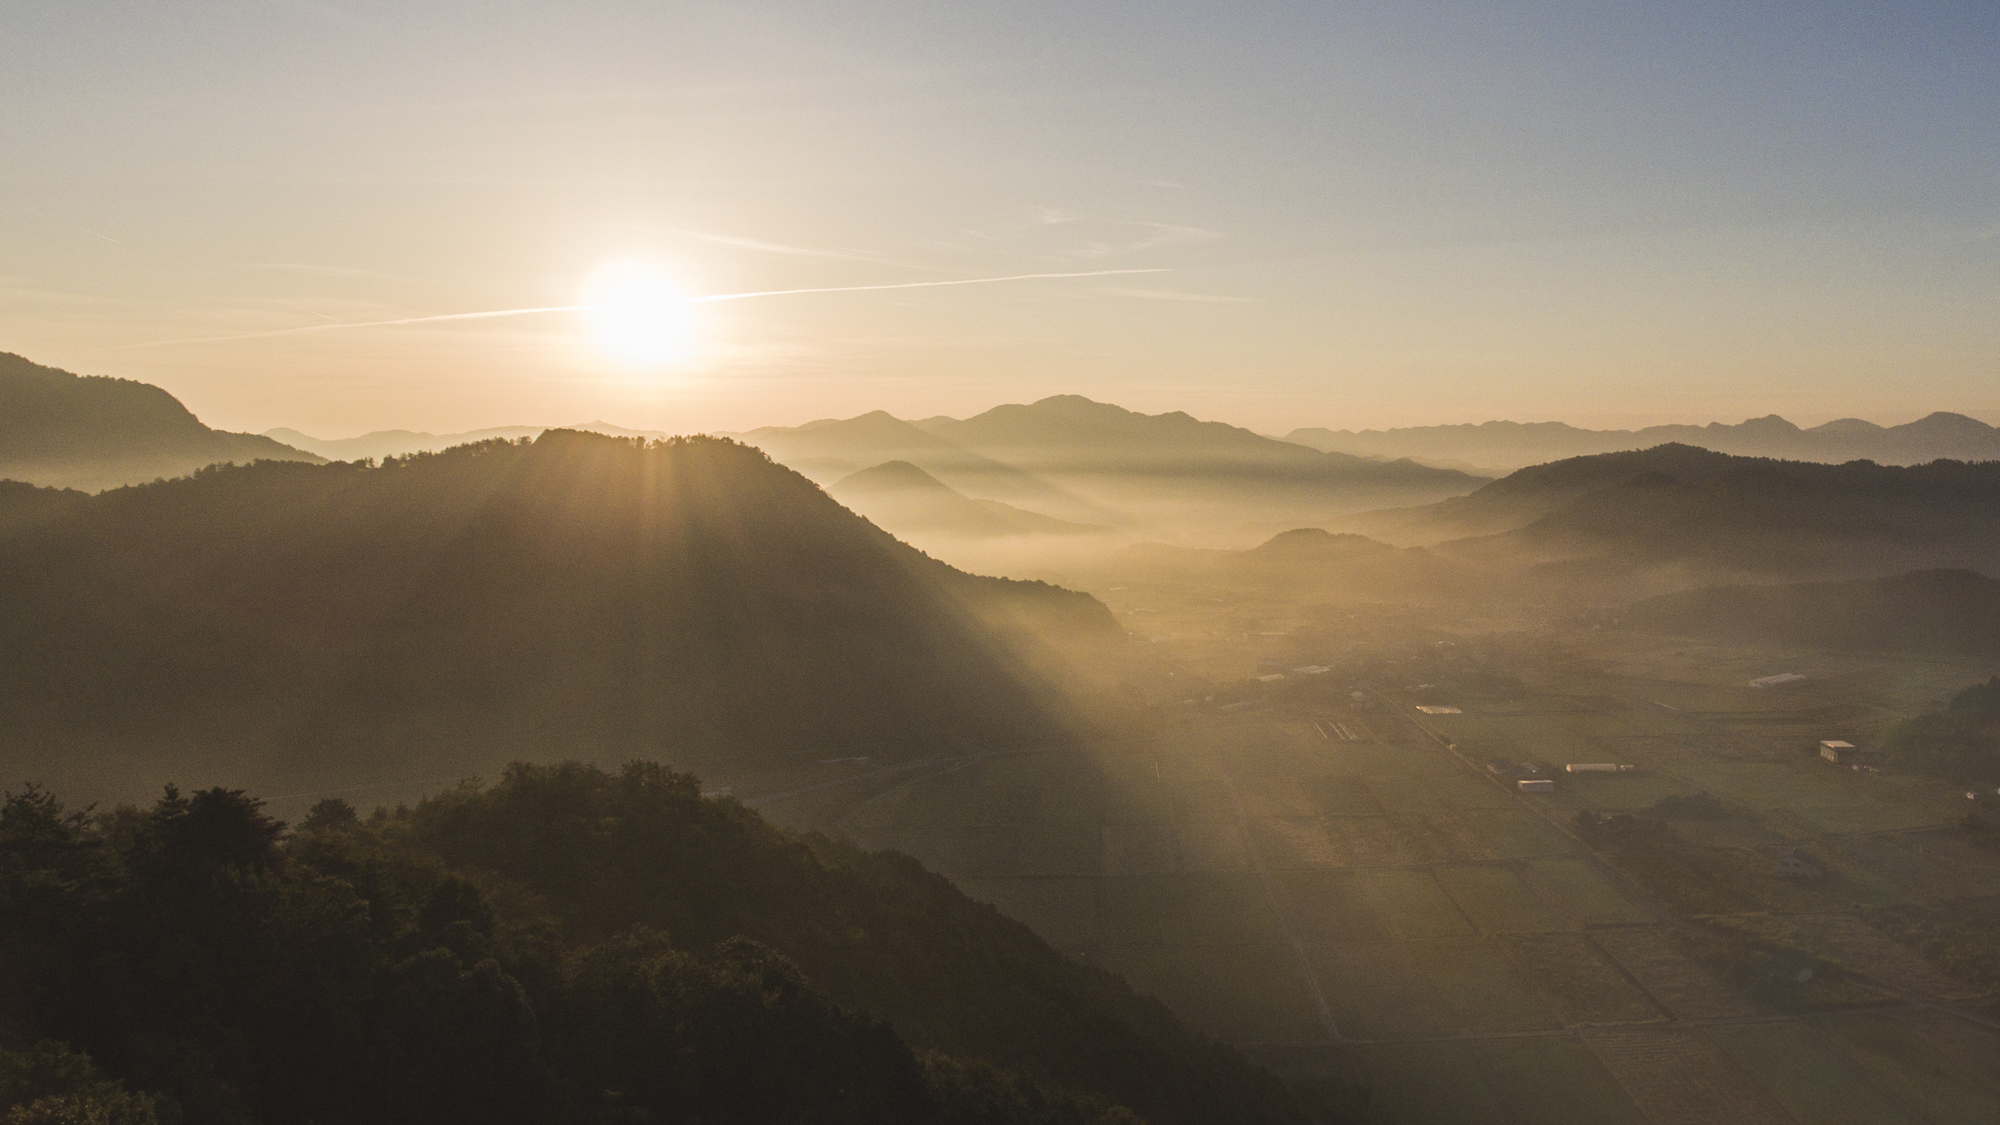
<point x="1344" y="887"/>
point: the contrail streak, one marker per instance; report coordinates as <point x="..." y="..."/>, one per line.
<point x="364" y="324"/>
<point x="583" y="308"/>
<point x="916" y="284"/>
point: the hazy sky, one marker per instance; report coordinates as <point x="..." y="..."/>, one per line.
<point x="1369" y="214"/>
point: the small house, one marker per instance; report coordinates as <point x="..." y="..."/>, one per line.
<point x="1839" y="753"/>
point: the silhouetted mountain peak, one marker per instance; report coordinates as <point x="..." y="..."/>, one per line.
<point x="591" y="590"/>
<point x="1944" y="423"/>
<point x="1846" y="427"/>
<point x="94" y="432"/>
<point x="1310" y="541"/>
<point x="893" y="476"/>
<point x="1769" y="424"/>
<point x="876" y="429"/>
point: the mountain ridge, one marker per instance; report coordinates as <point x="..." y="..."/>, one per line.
<point x="905" y="500"/>
<point x="94" y="432"/>
<point x="1510" y="445"/>
<point x="1683" y="516"/>
<point x="597" y="593"/>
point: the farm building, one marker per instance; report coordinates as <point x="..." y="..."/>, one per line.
<point x="1838" y="752"/>
<point x="1796" y="864"/>
<point x="1537" y="785"/>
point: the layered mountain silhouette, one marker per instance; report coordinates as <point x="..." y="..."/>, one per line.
<point x="1071" y="434"/>
<point x="1701" y="513"/>
<point x="289" y="625"/>
<point x="1510" y="445"/>
<point x="904" y="499"/>
<point x="377" y="444"/>
<point x="1095" y="463"/>
<point x="831" y="450"/>
<point x="91" y="432"/>
<point x="1935" y="612"/>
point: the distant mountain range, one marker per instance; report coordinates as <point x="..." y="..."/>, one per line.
<point x="1501" y="446"/>
<point x="296" y="626"/>
<point x="1095" y="463"/>
<point x="1618" y="527"/>
<point x="393" y="443"/>
<point x="833" y="449"/>
<point x="90" y="432"/>
<point x="378" y="444"/>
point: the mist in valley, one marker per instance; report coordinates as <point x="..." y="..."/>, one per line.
<point x="775" y="562"/>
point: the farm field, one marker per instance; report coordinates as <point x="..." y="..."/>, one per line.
<point x="1385" y="903"/>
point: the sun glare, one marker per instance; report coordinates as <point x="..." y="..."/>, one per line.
<point x="637" y="314"/>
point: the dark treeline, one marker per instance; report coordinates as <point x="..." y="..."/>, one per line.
<point x="443" y="612"/>
<point x="564" y="946"/>
<point x="1961" y="741"/>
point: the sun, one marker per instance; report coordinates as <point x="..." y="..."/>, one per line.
<point x="637" y="313"/>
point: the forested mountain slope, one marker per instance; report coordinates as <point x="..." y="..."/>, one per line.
<point x="565" y="946"/>
<point x="92" y="432"/>
<point x="302" y="626"/>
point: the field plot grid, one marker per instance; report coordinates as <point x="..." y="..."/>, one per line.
<point x="1478" y="965"/>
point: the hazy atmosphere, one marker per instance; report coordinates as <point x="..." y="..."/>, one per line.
<point x="1361" y="215"/>
<point x="888" y="564"/>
